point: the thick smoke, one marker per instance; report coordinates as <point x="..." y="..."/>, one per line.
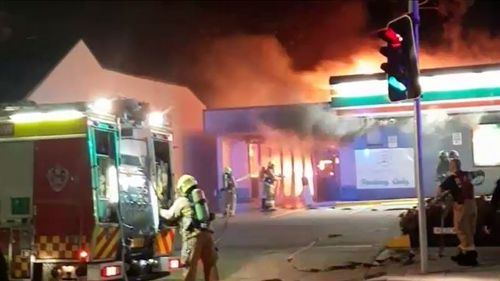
<point x="256" y="70"/>
<point x="314" y="121"/>
<point x="252" y="70"/>
<point x="454" y="11"/>
<point x="248" y="70"/>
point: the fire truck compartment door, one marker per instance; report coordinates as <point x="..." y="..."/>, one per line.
<point x="16" y="184"/>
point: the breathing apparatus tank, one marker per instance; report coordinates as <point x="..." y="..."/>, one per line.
<point x="200" y="207"/>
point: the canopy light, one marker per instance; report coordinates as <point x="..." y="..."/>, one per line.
<point x="59" y="115"/>
<point x="156" y="119"/>
<point x="435" y="83"/>
<point x="102" y="106"/>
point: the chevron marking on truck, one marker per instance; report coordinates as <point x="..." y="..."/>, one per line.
<point x="164" y="242"/>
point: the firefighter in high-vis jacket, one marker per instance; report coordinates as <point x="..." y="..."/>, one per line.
<point x="268" y="180"/>
<point x="191" y="212"/>
<point x="229" y="192"/>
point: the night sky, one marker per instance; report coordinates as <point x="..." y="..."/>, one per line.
<point x="165" y="40"/>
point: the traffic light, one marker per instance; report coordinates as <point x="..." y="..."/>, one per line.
<point x="402" y="65"/>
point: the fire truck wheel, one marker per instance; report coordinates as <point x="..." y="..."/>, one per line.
<point x="55" y="272"/>
<point x="81" y="271"/>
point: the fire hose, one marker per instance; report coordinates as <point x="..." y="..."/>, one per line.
<point x="224" y="228"/>
<point x="226" y="223"/>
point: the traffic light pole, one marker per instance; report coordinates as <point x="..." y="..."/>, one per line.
<point x="413" y="7"/>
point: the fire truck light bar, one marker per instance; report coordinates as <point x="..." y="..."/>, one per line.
<point x="435" y="83"/>
<point x="102" y="106"/>
<point x="156" y="119"/>
<point x="59" y="115"/>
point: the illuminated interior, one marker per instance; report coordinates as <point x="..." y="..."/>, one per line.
<point x="290" y="162"/>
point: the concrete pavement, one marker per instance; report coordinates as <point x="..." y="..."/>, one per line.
<point x="320" y="244"/>
<point x="442" y="268"/>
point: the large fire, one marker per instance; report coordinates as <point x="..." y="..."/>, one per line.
<point x="369" y="61"/>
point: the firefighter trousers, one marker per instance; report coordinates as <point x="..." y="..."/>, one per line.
<point x="201" y="247"/>
<point x="230" y="202"/>
<point x="269" y="192"/>
<point x="464" y="222"/>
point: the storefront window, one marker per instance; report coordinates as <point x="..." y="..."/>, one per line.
<point x="486" y="138"/>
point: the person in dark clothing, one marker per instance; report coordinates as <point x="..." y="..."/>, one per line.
<point x="3" y="267"/>
<point x="494" y="207"/>
<point x="459" y="184"/>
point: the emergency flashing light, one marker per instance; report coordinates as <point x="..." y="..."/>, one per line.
<point x="58" y="115"/>
<point x="110" y="271"/>
<point x="83" y="256"/>
<point x="156" y="119"/>
<point x="402" y="65"/>
<point x="102" y="106"/>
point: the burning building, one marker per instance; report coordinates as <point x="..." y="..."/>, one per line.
<point x="249" y="138"/>
<point x="360" y="146"/>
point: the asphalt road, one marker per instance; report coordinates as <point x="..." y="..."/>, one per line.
<point x="302" y="244"/>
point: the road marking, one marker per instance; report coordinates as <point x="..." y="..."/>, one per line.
<point x="286" y="213"/>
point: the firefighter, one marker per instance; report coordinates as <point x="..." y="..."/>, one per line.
<point x="191" y="212"/>
<point x="459" y="183"/>
<point x="453" y="154"/>
<point x="268" y="180"/>
<point x="229" y="192"/>
<point x="443" y="166"/>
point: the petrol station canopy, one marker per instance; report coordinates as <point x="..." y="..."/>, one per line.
<point x="455" y="89"/>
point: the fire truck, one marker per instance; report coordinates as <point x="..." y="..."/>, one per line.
<point x="81" y="185"/>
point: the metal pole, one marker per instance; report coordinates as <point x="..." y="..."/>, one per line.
<point x="413" y="8"/>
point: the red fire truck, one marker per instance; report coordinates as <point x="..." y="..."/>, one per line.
<point x="80" y="190"/>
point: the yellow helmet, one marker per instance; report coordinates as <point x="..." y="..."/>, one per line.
<point x="227" y="170"/>
<point x="184" y="183"/>
<point x="270" y="165"/>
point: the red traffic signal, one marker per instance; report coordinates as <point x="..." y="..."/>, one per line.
<point x="402" y="65"/>
<point x="392" y="38"/>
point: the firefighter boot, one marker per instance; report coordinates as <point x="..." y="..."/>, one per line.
<point x="458" y="257"/>
<point x="469" y="259"/>
<point x="263" y="205"/>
